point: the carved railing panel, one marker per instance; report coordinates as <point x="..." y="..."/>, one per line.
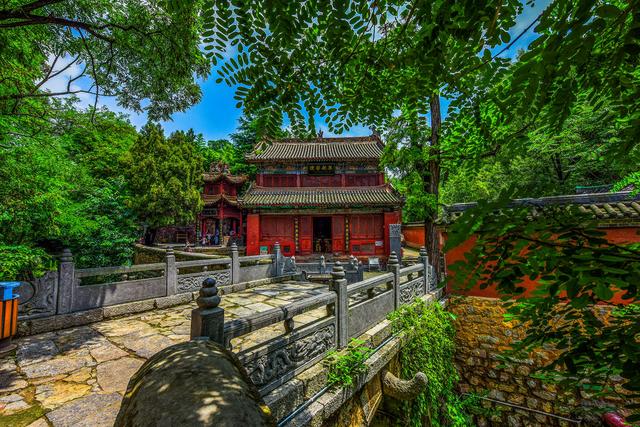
<point x="38" y="298"/>
<point x="193" y="281"/>
<point x="276" y="361"/>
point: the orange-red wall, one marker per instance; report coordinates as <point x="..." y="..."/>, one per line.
<point x="414" y="236"/>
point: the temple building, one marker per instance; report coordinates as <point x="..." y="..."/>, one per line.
<point x="221" y="218"/>
<point x="320" y="196"/>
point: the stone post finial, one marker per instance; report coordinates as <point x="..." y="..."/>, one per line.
<point x="169" y="251"/>
<point x="208" y="319"/>
<point x="393" y="258"/>
<point x="208" y="297"/>
<point x="66" y="256"/>
<point x="234" y="246"/>
<point x="338" y="271"/>
<point x="423" y="251"/>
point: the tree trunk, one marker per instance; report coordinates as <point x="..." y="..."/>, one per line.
<point x="150" y="236"/>
<point x="431" y="186"/>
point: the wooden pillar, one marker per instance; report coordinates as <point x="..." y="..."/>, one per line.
<point x="253" y="234"/>
<point x="221" y="218"/>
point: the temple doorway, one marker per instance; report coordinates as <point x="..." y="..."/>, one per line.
<point x="322" y="234"/>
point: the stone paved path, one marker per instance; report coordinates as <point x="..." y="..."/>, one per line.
<point x="77" y="376"/>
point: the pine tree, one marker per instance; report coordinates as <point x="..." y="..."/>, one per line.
<point x="165" y="176"/>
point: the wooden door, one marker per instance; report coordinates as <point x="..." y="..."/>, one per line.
<point x="337" y="230"/>
<point x="305" y="237"/>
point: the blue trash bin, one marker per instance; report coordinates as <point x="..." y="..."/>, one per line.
<point x="8" y="314"/>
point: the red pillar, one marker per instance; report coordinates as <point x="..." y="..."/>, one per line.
<point x="253" y="234"/>
<point x="389" y="218"/>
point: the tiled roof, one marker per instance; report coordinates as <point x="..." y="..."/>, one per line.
<point x="210" y="199"/>
<point x="605" y="206"/>
<point x="233" y="179"/>
<point x="318" y="149"/>
<point x="382" y="195"/>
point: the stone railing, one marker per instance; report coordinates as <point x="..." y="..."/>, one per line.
<point x="343" y="312"/>
<point x="71" y="290"/>
<point x="353" y="269"/>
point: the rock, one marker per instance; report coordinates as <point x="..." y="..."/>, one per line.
<point x="197" y="383"/>
<point x="182" y="329"/>
<point x="145" y="346"/>
<point x="60" y="365"/>
<point x="544" y="395"/>
<point x="95" y="410"/>
<point x="10" y="398"/>
<point x="122" y="327"/>
<point x="106" y="351"/>
<point x="40" y="422"/>
<point x="34" y="350"/>
<point x="11" y="381"/>
<point x="52" y="395"/>
<point x="114" y="375"/>
<point x="80" y="376"/>
<point x="12" y="403"/>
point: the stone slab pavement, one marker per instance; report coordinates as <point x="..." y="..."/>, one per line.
<point x="77" y="376"/>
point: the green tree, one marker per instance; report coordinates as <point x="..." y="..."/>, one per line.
<point x="551" y="163"/>
<point x="65" y="189"/>
<point x="165" y="178"/>
<point x="134" y="51"/>
<point x="362" y="61"/>
<point x="358" y="61"/>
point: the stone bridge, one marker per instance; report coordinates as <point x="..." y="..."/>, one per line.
<point x="279" y="331"/>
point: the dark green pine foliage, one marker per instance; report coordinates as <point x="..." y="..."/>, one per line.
<point x="165" y="178"/>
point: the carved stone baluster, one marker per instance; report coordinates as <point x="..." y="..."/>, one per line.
<point x="339" y="286"/>
<point x="393" y="265"/>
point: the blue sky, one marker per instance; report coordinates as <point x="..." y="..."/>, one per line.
<point x="216" y="116"/>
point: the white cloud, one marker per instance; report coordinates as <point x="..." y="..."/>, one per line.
<point x="60" y="83"/>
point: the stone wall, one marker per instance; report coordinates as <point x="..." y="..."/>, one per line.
<point x="482" y="334"/>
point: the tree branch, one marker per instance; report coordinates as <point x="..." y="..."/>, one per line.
<point x="31" y="19"/>
<point x="28" y="7"/>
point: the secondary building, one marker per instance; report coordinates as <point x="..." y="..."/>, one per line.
<point x="221" y="218"/>
<point x="320" y="196"/>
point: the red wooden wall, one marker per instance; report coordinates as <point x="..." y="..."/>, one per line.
<point x="339" y="180"/>
<point x="368" y="233"/>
